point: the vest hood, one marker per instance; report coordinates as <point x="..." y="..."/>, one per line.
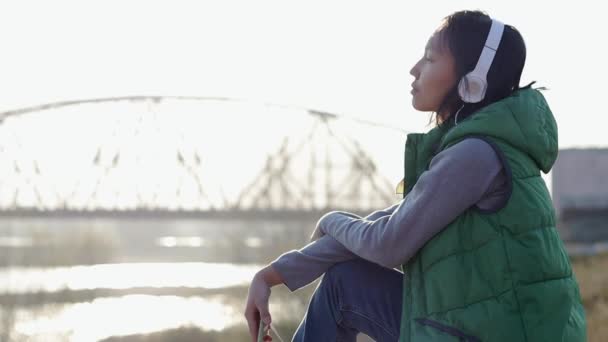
<point x="523" y="120"/>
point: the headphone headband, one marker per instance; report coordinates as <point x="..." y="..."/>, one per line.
<point x="472" y="87"/>
<point x="489" y="50"/>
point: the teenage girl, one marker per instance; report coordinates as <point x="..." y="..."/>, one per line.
<point x="471" y="253"/>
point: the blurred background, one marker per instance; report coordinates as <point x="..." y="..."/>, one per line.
<point x="155" y="155"/>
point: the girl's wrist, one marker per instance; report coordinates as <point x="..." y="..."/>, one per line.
<point x="270" y="276"/>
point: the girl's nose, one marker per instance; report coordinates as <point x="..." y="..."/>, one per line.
<point x="414" y="70"/>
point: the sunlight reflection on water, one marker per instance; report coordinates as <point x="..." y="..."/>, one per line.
<point x="126" y="275"/>
<point x="139" y="314"/>
<point x="105" y="317"/>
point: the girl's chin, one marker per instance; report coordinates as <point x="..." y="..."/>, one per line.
<point x="415" y="104"/>
<point x="420" y="108"/>
<point x="419" y="105"/>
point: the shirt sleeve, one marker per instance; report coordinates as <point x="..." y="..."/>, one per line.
<point x="381" y="213"/>
<point x="457" y="179"/>
<point x="299" y="268"/>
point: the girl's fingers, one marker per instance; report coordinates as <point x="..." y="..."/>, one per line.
<point x="253" y="323"/>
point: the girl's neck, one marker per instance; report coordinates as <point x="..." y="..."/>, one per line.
<point x="441" y="117"/>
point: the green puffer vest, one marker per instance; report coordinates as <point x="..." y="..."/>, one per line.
<point x="502" y="275"/>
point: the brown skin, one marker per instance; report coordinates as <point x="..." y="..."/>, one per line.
<point x="434" y="76"/>
<point x="258" y="298"/>
<point x="259" y="294"/>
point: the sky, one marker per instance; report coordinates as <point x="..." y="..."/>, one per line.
<point x="348" y="57"/>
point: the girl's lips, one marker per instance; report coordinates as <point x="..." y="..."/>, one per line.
<point x="414" y="90"/>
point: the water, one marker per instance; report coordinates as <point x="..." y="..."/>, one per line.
<point x="125" y="315"/>
<point x="90" y="280"/>
<point x="24" y="280"/>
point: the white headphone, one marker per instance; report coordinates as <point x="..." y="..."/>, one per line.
<point x="472" y="86"/>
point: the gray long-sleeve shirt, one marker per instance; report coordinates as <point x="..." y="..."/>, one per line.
<point x="464" y="175"/>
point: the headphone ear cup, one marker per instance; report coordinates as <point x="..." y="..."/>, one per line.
<point x="462" y="89"/>
<point x="471" y="88"/>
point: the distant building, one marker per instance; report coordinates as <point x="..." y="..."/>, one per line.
<point x="580" y="194"/>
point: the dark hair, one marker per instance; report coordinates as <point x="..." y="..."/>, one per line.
<point x="464" y="34"/>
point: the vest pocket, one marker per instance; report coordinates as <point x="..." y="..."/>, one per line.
<point x="462" y="336"/>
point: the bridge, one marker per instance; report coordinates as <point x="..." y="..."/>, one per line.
<point x="204" y="157"/>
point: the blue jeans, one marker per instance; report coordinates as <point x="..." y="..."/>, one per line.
<point x="354" y="296"/>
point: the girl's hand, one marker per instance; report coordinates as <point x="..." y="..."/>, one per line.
<point x="258" y="299"/>
<point x="257" y="305"/>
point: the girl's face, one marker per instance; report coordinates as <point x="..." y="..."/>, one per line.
<point x="435" y="76"/>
